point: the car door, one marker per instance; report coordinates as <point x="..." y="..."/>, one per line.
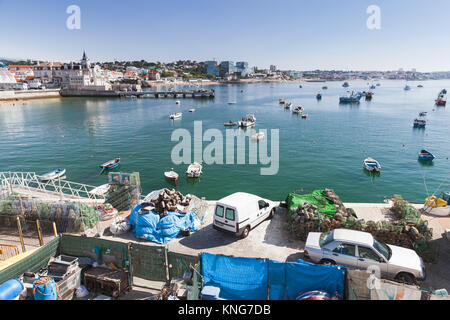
<point x="263" y="211"/>
<point x="344" y="254"/>
<point x="368" y="258"/>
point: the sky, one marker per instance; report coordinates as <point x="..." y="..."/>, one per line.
<point x="291" y="34"/>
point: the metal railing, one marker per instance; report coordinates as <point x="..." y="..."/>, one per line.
<point x="28" y="183"/>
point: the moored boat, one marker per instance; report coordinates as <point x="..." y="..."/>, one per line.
<point x="110" y="165"/>
<point x="420" y="122"/>
<point x="298" y="110"/>
<point x="407" y="88"/>
<point x="230" y="124"/>
<point x="319" y="96"/>
<point x="55" y="174"/>
<point x="282" y="101"/>
<point x="191" y="110"/>
<point x="425" y="155"/>
<point x="441" y="101"/>
<point x="351" y="98"/>
<point x="372" y="165"/>
<point x="194" y="170"/>
<point x="288" y="105"/>
<point x="346" y="85"/>
<point x="175" y="116"/>
<point x="171" y="175"/>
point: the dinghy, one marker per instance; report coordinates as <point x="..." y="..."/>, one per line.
<point x="176" y="116"/>
<point x="171" y="175"/>
<point x="191" y="110"/>
<point x="110" y="165"/>
<point x="424" y="155"/>
<point x="372" y="165"/>
<point x="305" y="116"/>
<point x="230" y="124"/>
<point x="55" y="174"/>
<point x="101" y="190"/>
<point x="298" y="110"/>
<point x="194" y="170"/>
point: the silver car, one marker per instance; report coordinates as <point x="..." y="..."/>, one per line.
<point x="360" y="250"/>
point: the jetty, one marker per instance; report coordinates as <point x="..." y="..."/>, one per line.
<point x="208" y="94"/>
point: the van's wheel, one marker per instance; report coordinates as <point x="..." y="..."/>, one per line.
<point x="245" y="232"/>
<point x="272" y="213"/>
<point x="327" y="262"/>
<point x="405" y="278"/>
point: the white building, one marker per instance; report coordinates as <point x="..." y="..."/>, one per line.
<point x="84" y="75"/>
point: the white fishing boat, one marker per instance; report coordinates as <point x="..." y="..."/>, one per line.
<point x="247" y="121"/>
<point x="171" y="175"/>
<point x="231" y="102"/>
<point x="288" y="105"/>
<point x="282" y="101"/>
<point x="101" y="190"/>
<point x="372" y="165"/>
<point x="178" y="102"/>
<point x="55" y="174"/>
<point x="175" y="116"/>
<point x="298" y="110"/>
<point x="194" y="170"/>
<point x="258" y="136"/>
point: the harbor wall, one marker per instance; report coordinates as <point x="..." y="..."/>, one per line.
<point x="88" y="93"/>
<point x="29" y="94"/>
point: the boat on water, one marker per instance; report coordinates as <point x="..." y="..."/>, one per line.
<point x="441" y="101"/>
<point x="319" y="96"/>
<point x="305" y="116"/>
<point x="230" y="124"/>
<point x="231" y="102"/>
<point x="346" y="85"/>
<point x="353" y="97"/>
<point x="407" y="88"/>
<point x="171" y="175"/>
<point x="178" y="102"/>
<point x="288" y="105"/>
<point x="378" y="84"/>
<point x="282" y="101"/>
<point x="324" y="88"/>
<point x="247" y="121"/>
<point x="425" y="155"/>
<point x="420" y="122"/>
<point x="423" y="114"/>
<point x="175" y="116"/>
<point x="298" y="110"/>
<point x="191" y="110"/>
<point x="111" y="164"/>
<point x="55" y="174"/>
<point x="258" y="136"/>
<point x="300" y="86"/>
<point x="194" y="170"/>
<point x="419" y="86"/>
<point x="372" y="87"/>
<point x="372" y="165"/>
<point x="369" y="95"/>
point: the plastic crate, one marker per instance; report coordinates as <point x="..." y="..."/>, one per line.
<point x="69" y="284"/>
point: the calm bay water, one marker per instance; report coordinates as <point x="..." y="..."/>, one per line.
<point x="325" y="150"/>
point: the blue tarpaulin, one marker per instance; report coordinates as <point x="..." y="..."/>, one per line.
<point x="151" y="227"/>
<point x="262" y="279"/>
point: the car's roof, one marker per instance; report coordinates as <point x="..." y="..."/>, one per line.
<point x="240" y="200"/>
<point x="353" y="236"/>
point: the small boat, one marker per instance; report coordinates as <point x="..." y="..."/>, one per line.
<point x="178" y="102"/>
<point x="258" y="136"/>
<point x="420" y="122"/>
<point x="372" y="87"/>
<point x="372" y="165"/>
<point x="288" y="105"/>
<point x="282" y="101"/>
<point x="351" y="98"/>
<point x="424" y="155"/>
<point x="55" y="174"/>
<point x="369" y="96"/>
<point x="423" y="114"/>
<point x="101" y="190"/>
<point x="298" y="110"/>
<point x="300" y="86"/>
<point x="110" y="165"/>
<point x="176" y="116"/>
<point x="441" y="101"/>
<point x="305" y="116"/>
<point x="194" y="170"/>
<point x="171" y="175"/>
<point x="346" y="85"/>
<point x="407" y="88"/>
<point x="230" y="124"/>
<point x="420" y="86"/>
<point x="319" y="96"/>
<point x="231" y="102"/>
<point x="191" y="110"/>
<point x="325" y="88"/>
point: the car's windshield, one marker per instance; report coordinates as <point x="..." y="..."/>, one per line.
<point x="326" y="238"/>
<point x="382" y="248"/>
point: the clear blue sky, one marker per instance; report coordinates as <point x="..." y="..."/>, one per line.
<point x="292" y="34"/>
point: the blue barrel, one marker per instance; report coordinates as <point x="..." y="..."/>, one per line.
<point x="45" y="289"/>
<point x="11" y="289"/>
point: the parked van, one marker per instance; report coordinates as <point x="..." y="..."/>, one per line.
<point x="240" y="212"/>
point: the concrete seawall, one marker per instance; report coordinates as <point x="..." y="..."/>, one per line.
<point x="28" y="94"/>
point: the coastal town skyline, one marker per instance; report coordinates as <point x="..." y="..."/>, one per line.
<point x="292" y="36"/>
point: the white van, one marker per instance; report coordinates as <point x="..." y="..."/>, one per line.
<point x="240" y="212"/>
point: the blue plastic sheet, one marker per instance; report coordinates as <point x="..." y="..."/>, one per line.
<point x="262" y="279"/>
<point x="237" y="278"/>
<point x="151" y="227"/>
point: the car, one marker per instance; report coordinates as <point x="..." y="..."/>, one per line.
<point x="241" y="212"/>
<point x="360" y="250"/>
